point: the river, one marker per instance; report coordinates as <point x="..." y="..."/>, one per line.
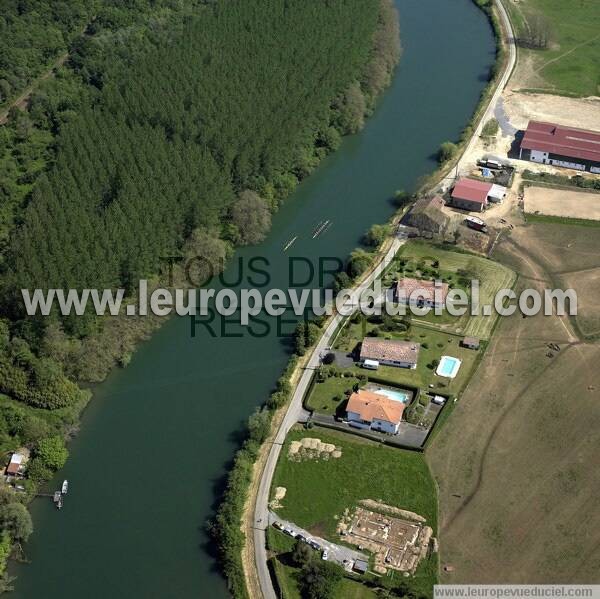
<point x="147" y="467"/>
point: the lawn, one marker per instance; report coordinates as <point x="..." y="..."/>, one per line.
<point x="318" y="491"/>
<point x="434" y="345"/>
<point x="453" y="267"/>
<point x="326" y="397"/>
<point x="570" y="64"/>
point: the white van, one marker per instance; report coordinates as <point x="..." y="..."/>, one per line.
<point x="371" y="364"/>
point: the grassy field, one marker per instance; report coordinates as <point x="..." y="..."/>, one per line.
<point x="434" y="344"/>
<point x="326" y="396"/>
<point x="567" y="255"/>
<point x="492" y="277"/>
<point x="570" y="64"/>
<point x="318" y="491"/>
<point x="516" y="463"/>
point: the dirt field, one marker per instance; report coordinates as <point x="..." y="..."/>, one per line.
<point x="517" y="462"/>
<point x="573" y="112"/>
<point x="560" y="202"/>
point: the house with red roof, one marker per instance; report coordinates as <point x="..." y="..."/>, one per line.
<point x="557" y="145"/>
<point x="422" y="293"/>
<point x="368" y="409"/>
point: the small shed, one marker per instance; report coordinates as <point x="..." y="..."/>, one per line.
<point x="470" y="343"/>
<point x="15" y="465"/>
<point x="360" y="566"/>
<point x="497" y="193"/>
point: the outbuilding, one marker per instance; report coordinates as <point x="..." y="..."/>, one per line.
<point x="497" y="193"/>
<point x="15" y="466"/>
<point x="360" y="566"/>
<point x="470" y="343"/>
<point x="557" y="145"/>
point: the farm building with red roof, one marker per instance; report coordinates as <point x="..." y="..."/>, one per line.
<point x="547" y="143"/>
<point x="470" y="194"/>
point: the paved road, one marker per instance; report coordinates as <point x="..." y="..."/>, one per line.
<point x="294" y="410"/>
<point x="336" y="553"/>
<point x="293" y="415"/>
<point x="496" y="100"/>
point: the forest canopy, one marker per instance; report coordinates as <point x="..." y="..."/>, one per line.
<point x="172" y="128"/>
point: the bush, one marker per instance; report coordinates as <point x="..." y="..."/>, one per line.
<point x="446" y="152"/>
<point x="376" y="235"/>
<point x="490" y="129"/>
<point x="15" y="519"/>
<point x="52" y="452"/>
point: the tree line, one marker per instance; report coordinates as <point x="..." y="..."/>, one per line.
<point x="173" y="128"/>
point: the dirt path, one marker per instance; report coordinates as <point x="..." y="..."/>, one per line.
<point x="22" y="101"/>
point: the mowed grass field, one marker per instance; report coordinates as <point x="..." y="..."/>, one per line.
<point x="318" y="491"/>
<point x="517" y="461"/>
<point x="492" y="276"/>
<point x="571" y="63"/>
<point x="434" y="345"/>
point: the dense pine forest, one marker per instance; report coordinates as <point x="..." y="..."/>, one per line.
<point x="167" y="126"/>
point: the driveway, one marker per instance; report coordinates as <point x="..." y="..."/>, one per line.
<point x="336" y="553"/>
<point x="408" y="435"/>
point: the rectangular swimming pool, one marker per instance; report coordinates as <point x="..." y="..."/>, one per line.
<point x="396" y="395"/>
<point x="448" y="367"/>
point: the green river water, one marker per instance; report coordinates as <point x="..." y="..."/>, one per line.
<point x="147" y="468"/>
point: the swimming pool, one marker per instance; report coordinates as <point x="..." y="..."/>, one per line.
<point x="399" y="395"/>
<point x="448" y="367"/>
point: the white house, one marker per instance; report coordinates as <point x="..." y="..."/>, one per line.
<point x="390" y="352"/>
<point x="374" y="411"/>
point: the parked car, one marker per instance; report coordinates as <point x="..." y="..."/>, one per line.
<point x="278" y="525"/>
<point x="325" y="554"/>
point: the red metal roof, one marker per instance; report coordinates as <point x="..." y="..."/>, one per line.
<point x="472" y="190"/>
<point x="566" y="141"/>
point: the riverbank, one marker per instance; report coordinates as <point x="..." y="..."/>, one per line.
<point x="86" y="349"/>
<point x="177" y="410"/>
<point x="259" y="583"/>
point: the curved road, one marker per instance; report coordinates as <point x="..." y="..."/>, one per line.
<point x="496" y="97"/>
<point x="293" y="415"/>
<point x="294" y="411"/>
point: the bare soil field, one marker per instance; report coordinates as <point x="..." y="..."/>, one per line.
<point x="517" y="462"/>
<point x="561" y="202"/>
<point x="573" y="112"/>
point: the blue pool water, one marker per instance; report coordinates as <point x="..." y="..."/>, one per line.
<point x="448" y="367"/>
<point x="402" y="396"/>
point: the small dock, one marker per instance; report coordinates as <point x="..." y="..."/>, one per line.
<point x="57" y="496"/>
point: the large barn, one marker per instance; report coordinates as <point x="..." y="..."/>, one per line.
<point x="547" y="143"/>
